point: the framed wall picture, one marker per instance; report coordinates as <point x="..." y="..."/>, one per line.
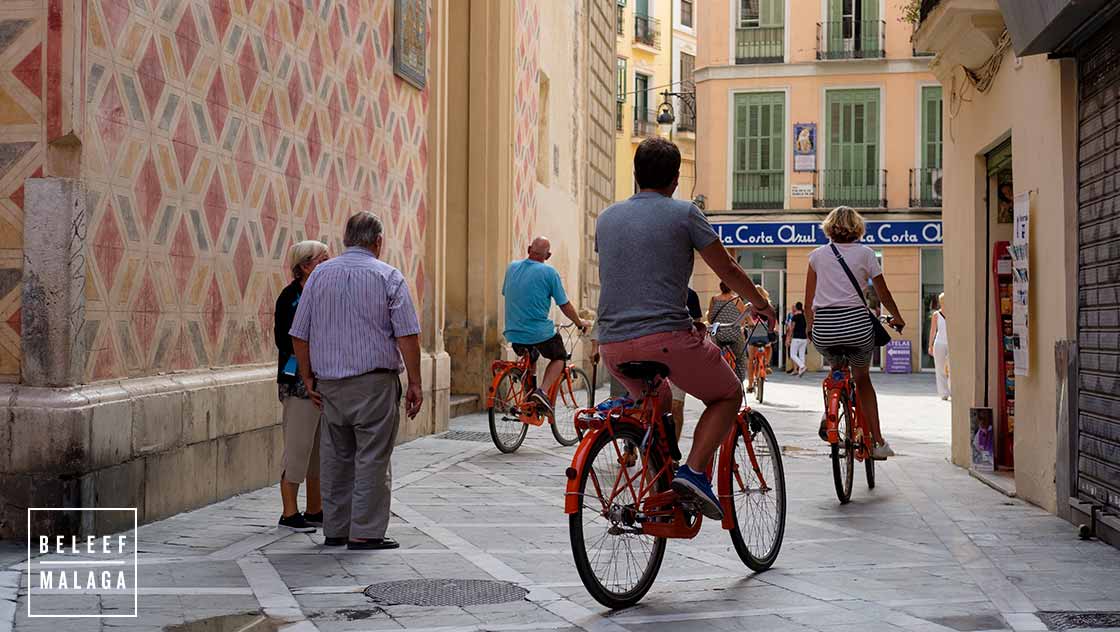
<point x="410" y="41"/>
<point x="804" y="146"/>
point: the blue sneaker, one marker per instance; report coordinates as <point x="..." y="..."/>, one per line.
<point x="697" y="489"/>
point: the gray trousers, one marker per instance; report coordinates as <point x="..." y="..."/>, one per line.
<point x="361" y="416"/>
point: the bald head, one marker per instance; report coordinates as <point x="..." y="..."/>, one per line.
<point x="540" y="249"/>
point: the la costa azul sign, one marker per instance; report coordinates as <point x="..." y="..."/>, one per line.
<point x="878" y="233"/>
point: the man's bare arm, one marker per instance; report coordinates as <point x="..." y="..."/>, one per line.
<point x="414" y="395"/>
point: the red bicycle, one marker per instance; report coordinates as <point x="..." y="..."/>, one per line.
<point x="622" y="510"/>
<point x="845" y="429"/>
<point x="511" y="410"/>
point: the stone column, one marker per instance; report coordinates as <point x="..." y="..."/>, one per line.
<point x="54" y="278"/>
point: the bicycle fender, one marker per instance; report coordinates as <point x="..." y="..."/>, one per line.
<point x="499" y="373"/>
<point x="579" y="460"/>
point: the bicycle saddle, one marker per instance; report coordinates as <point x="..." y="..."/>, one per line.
<point x="643" y="370"/>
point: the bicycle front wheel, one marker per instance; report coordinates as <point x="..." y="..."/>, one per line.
<point x="843" y="453"/>
<point x="574" y="393"/>
<point x="616" y="561"/>
<point x="506" y="428"/>
<point x="869" y="464"/>
<point x="758" y="494"/>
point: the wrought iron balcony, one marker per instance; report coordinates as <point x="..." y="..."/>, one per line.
<point x="858" y="188"/>
<point x="647" y="31"/>
<point x="925" y="187"/>
<point x="763" y="45"/>
<point x="645" y="122"/>
<point x="851" y="39"/>
<point x="759" y="190"/>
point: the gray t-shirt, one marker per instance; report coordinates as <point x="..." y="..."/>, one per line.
<point x="646" y="248"/>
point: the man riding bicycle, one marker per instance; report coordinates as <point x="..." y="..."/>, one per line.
<point x="646" y="247"/>
<point x="530" y="286"/>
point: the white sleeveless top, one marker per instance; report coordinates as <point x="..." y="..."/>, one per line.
<point x="942" y="337"/>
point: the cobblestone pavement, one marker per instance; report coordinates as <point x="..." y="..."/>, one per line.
<point x="929" y="549"/>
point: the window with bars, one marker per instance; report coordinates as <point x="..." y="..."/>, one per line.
<point x="853" y="176"/>
<point x="686" y="13"/>
<point x="749" y="13"/>
<point x="758" y="170"/>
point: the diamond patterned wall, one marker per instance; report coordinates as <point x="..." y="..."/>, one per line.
<point x="218" y="133"/>
<point x="23" y="112"/>
<point x="526" y="106"/>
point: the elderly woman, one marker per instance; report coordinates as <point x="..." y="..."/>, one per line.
<point x="301" y="415"/>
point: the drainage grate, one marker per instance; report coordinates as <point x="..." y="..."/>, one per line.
<point x="1070" y="619"/>
<point x="465" y="435"/>
<point x="445" y="592"/>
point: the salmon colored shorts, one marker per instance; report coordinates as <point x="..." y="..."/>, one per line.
<point x="695" y="365"/>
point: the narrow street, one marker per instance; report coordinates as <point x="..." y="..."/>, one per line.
<point x="929" y="549"/>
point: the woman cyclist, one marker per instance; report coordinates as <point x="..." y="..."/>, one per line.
<point x="759" y="334"/>
<point x="837" y="315"/>
<point x="725" y="309"/>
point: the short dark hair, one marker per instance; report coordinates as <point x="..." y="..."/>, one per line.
<point x="798" y="306"/>
<point x="362" y="229"/>
<point x="723" y="288"/>
<point x="657" y="162"/>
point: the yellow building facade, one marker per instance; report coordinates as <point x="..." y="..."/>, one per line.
<point x="804" y="111"/>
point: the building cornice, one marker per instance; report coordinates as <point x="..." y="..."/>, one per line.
<point x="814" y="69"/>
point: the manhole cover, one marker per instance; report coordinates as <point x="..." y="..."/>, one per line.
<point x="464" y="435"/>
<point x="1069" y="620"/>
<point x="444" y="592"/>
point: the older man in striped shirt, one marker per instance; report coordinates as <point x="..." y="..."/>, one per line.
<point x="354" y="331"/>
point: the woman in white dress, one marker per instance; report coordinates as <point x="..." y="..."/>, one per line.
<point x="939" y="347"/>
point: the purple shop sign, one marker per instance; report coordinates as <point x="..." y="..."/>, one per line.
<point x="898" y="356"/>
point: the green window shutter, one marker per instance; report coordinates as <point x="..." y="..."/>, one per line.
<point x="641" y="7"/>
<point x="852" y="172"/>
<point x="869" y="25"/>
<point x="759" y="141"/>
<point x="931" y="127"/>
<point x="834" y="27"/>
<point x="771" y="13"/>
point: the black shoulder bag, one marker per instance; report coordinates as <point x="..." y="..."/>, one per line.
<point x="882" y="336"/>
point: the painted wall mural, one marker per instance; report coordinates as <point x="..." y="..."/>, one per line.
<point x="526" y="106"/>
<point x="219" y="132"/>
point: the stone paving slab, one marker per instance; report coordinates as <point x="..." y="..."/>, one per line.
<point x="929" y="549"/>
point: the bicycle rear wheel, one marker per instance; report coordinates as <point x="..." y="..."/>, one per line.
<point x="506" y="429"/>
<point x="843" y="457"/>
<point x="571" y="396"/>
<point x="758" y="496"/>
<point x="760" y="385"/>
<point x="616" y="561"/>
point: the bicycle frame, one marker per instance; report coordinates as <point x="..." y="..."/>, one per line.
<point x="836" y="384"/>
<point x="662" y="504"/>
<point x="500" y="368"/>
<point x="756" y="362"/>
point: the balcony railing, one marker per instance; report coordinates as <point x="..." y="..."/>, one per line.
<point x="851" y="39"/>
<point x="647" y="31"/>
<point x="686" y="122"/>
<point x="645" y="122"/>
<point x="925" y="188"/>
<point x="619" y="115"/>
<point x="759" y="190"/>
<point x="763" y="45"/>
<point x="858" y="188"/>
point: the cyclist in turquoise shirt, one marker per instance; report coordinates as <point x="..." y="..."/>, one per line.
<point x="530" y="287"/>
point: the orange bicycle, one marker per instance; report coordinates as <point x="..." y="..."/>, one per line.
<point x="757" y="356"/>
<point x="622" y="510"/>
<point x="845" y="429"/>
<point x="511" y="410"/>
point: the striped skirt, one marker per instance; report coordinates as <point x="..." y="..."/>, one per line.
<point x="844" y="334"/>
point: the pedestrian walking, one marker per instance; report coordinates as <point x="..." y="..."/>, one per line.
<point x="939" y="347"/>
<point x="354" y="331"/>
<point x="799" y="338"/>
<point x="300" y="414"/>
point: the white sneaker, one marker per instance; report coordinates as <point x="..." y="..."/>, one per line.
<point x="882" y="451"/>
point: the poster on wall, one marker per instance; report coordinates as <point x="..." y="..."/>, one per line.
<point x="1020" y="283"/>
<point x="804" y="146"/>
<point x="410" y="41"/>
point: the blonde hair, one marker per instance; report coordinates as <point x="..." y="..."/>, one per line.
<point x="941" y="302"/>
<point x="303" y="252"/>
<point x="764" y="293"/>
<point x="843" y="225"/>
